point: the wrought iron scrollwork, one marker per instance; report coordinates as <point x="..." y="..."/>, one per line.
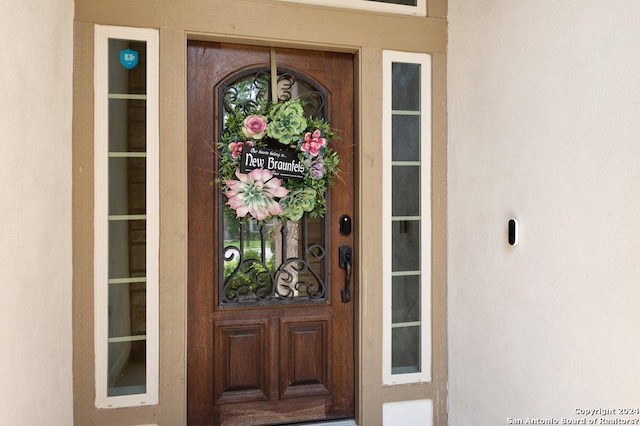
<point x="244" y="91"/>
<point x="256" y="278"/>
<point x="286" y="85"/>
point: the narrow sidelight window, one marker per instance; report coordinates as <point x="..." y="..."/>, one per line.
<point x="407" y="217"/>
<point x="126" y="216"/>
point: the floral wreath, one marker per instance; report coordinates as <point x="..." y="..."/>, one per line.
<point x="276" y="126"/>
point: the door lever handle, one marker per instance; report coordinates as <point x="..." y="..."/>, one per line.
<point x="344" y="261"/>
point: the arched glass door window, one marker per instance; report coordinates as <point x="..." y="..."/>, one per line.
<point x="275" y="261"/>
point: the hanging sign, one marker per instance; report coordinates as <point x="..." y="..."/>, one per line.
<point x="128" y="58"/>
<point x="283" y="164"/>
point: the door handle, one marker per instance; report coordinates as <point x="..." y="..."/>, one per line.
<point x="344" y="261"/>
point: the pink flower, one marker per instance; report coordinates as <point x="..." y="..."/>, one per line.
<point x="254" y="126"/>
<point x="317" y="169"/>
<point x="236" y="148"/>
<point x="313" y="142"/>
<point x="254" y="193"/>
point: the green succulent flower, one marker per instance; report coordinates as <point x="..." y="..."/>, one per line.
<point x="287" y="122"/>
<point x="297" y="202"/>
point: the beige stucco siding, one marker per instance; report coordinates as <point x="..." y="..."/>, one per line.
<point x="36" y="42"/>
<point x="543" y="126"/>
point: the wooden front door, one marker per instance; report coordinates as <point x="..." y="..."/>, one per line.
<point x="280" y="352"/>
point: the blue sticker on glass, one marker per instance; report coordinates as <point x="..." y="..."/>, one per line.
<point x="128" y="58"/>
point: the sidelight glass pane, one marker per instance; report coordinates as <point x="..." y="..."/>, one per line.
<point x="405" y="245"/>
<point x="127" y="300"/>
<point x="126" y="216"/>
<point x="407" y="208"/>
<point x="405" y="301"/>
<point x="127" y="125"/>
<point x="127" y="310"/>
<point x="405" y="343"/>
<point x="406" y="191"/>
<point x="127" y="66"/>
<point x="127" y="186"/>
<point x="127" y="248"/>
<point x="405" y="93"/>
<point x="127" y="213"/>
<point x="127" y="368"/>
<point x="405" y="137"/>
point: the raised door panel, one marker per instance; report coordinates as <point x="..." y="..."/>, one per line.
<point x="241" y="350"/>
<point x="304" y="350"/>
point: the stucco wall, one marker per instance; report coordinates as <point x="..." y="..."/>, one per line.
<point x="35" y="207"/>
<point x="544" y="125"/>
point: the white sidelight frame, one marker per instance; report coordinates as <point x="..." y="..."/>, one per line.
<point x="424" y="60"/>
<point x="419" y="10"/>
<point x="101" y="215"/>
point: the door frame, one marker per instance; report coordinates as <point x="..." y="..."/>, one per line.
<point x="367" y="48"/>
<point x="370" y="393"/>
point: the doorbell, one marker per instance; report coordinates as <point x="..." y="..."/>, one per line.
<point x="513" y="232"/>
